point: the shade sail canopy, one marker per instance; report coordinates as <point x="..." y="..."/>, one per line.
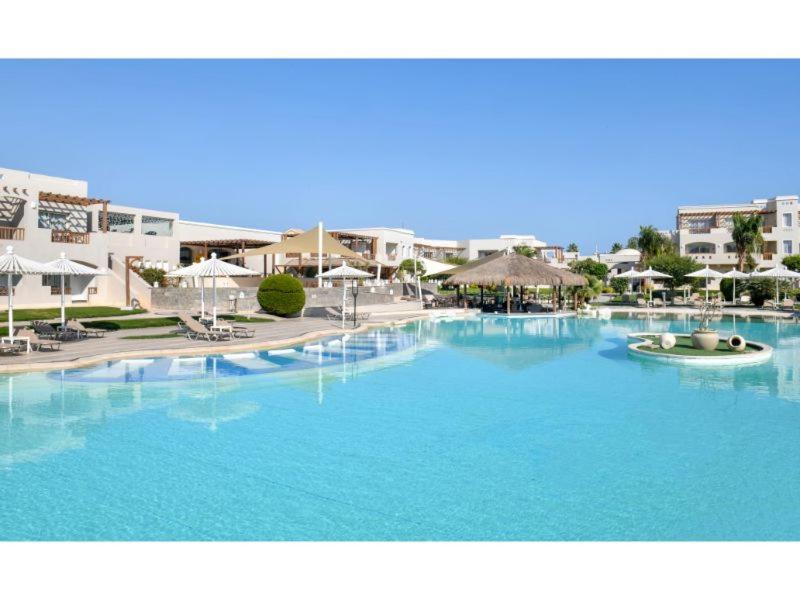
<point x="501" y="268"/>
<point x="735" y="274"/>
<point x="653" y="274"/>
<point x="305" y="243"/>
<point x="13" y="264"/>
<point x="707" y="273"/>
<point x="777" y="272"/>
<point x="64" y="266"/>
<point x="213" y="267"/>
<point x="434" y="267"/>
<point x="346" y="272"/>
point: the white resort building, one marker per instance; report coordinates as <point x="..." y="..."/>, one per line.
<point x="704" y="232"/>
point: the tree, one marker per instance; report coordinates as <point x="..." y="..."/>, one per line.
<point x="675" y="266"/>
<point x="526" y="251"/>
<point x="281" y="295"/>
<point x="572" y="247"/>
<point x="792" y="262"/>
<point x="747" y="238"/>
<point x="763" y="288"/>
<point x="651" y="243"/>
<point x="633" y="243"/>
<point x="407" y="267"/>
<point x="619" y="284"/>
<point x="587" y="267"/>
<point x="616" y="247"/>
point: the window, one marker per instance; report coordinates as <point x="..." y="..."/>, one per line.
<point x="156" y="226"/>
<point x="186" y="256"/>
<point x="787" y="219"/>
<point x="787" y="246"/>
<point x="55" y="281"/>
<point x="120" y="222"/>
<point x="53" y="219"/>
<point x="700" y="249"/>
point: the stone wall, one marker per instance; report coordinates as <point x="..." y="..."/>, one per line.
<point x="188" y="298"/>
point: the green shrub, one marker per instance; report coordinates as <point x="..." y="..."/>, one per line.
<point x="762" y="288"/>
<point x="591" y="267"/>
<point x="619" y="285"/>
<point x="281" y="295"/>
<point x="153" y="276"/>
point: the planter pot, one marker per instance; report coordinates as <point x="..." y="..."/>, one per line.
<point x="705" y="339"/>
<point x="737" y="343"/>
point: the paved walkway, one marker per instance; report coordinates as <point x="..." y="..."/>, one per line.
<point x="739" y="311"/>
<point x="114" y="345"/>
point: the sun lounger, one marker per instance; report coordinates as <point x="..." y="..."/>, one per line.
<point x="657" y="302"/>
<point x="36" y="342"/>
<point x="82" y="331"/>
<point x="678" y="301"/>
<point x="641" y="302"/>
<point x="768" y="304"/>
<point x="47" y="332"/>
<point x="9" y="349"/>
<point x="787" y="304"/>
<point x="197" y="331"/>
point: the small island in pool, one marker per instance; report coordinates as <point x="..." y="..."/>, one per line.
<point x="648" y="345"/>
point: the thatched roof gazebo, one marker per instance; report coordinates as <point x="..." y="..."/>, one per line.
<point x="512" y="269"/>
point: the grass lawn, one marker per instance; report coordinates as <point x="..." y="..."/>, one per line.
<point x="73" y="312"/>
<point x="114" y="325"/>
<point x="244" y="319"/>
<point x="154" y="336"/>
<point x="684" y="347"/>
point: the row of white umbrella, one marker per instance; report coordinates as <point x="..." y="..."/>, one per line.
<point x="12" y="265"/>
<point x="707" y="273"/>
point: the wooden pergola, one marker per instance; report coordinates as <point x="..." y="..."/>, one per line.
<point x="237" y="245"/>
<point x="78" y="201"/>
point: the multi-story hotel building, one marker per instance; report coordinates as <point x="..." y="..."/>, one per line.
<point x="704" y="232"/>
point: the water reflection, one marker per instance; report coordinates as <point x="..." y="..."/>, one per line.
<point x="43" y="414"/>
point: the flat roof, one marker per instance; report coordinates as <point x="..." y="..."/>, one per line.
<point x="236" y="227"/>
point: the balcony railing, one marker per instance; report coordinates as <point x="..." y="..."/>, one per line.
<point x="12" y="233"/>
<point x="55" y="290"/>
<point x="700" y="230"/>
<point x="69" y="237"/>
<point x="766" y="256"/>
<point x="767" y="229"/>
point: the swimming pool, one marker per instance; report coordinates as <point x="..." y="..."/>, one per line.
<point x="481" y="429"/>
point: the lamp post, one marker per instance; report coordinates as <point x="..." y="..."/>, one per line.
<point x="355" y="301"/>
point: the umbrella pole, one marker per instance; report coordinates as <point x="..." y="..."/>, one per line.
<point x="10" y="309"/>
<point x="63" y="320"/>
<point x="508" y="301"/>
<point x="344" y="297"/>
<point x="214" y="298"/>
<point x="202" y="298"/>
<point x="706" y="289"/>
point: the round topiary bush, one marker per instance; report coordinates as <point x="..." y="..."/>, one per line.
<point x="281" y="295"/>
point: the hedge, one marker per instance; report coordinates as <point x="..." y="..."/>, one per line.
<point x="281" y="295"/>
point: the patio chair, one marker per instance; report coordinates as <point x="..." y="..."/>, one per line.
<point x="196" y="330"/>
<point x="658" y="303"/>
<point x="78" y="327"/>
<point x="38" y="343"/>
<point x="768" y="305"/>
<point x="678" y="301"/>
<point x="47" y="332"/>
<point x="787" y="304"/>
<point x="641" y="302"/>
<point x="239" y="331"/>
<point x="9" y="349"/>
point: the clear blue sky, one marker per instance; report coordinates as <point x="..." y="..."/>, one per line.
<point x="579" y="151"/>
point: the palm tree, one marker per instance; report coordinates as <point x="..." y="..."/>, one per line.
<point x="616" y="247"/>
<point x="747" y="238"/>
<point x="573" y="247"/>
<point x="651" y="243"/>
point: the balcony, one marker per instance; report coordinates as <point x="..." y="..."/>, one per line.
<point x="699" y="230"/>
<point x="55" y="290"/>
<point x="69" y="237"/>
<point x="12" y="233"/>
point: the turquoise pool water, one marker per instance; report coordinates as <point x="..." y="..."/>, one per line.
<point x="487" y="429"/>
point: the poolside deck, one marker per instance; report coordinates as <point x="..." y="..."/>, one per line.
<point x="113" y="346"/>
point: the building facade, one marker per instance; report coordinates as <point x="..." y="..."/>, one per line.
<point x="43" y="216"/>
<point x="704" y="232"/>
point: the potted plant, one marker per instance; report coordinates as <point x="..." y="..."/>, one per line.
<point x="705" y="338"/>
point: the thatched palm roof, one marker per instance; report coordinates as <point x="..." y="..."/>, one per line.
<point x="501" y="268"/>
